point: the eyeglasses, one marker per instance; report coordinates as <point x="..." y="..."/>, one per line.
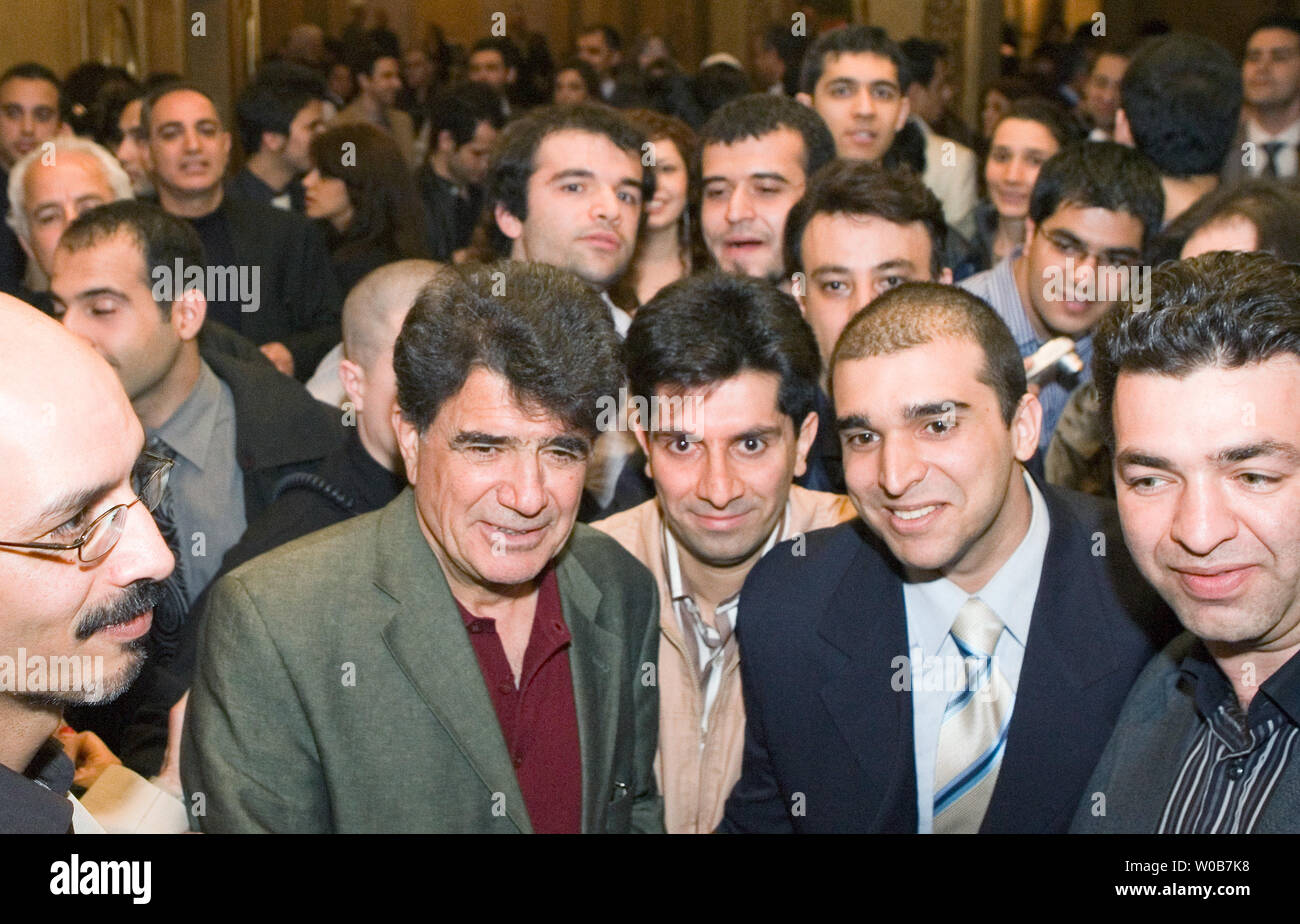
<point x="1067" y="245"/>
<point x="98" y="539"/>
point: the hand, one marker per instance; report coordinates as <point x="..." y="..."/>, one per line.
<point x="89" y="754"/>
<point x="279" y="355"/>
<point x="169" y="777"/>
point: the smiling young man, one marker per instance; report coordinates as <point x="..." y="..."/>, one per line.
<point x="495" y="657"/>
<point x="745" y="368"/>
<point x="957" y="665"/>
<point x="1093" y="208"/>
<point x="756" y="155"/>
<point x="1200" y="392"/>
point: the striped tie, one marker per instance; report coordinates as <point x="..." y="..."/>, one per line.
<point x="974" y="730"/>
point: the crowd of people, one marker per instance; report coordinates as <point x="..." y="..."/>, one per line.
<point x="597" y="446"/>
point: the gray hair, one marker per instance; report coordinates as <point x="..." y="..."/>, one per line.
<point x="118" y="181"/>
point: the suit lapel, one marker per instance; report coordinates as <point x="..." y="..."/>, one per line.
<point x="593" y="664"/>
<point x="427" y="639"/>
<point x="865" y="624"/>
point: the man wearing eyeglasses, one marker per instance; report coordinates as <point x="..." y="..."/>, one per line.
<point x="1092" y="210"/>
<point x="81" y="560"/>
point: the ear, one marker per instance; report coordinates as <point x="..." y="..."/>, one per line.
<point x="510" y="226"/>
<point x="945" y="276"/>
<point x="188" y="313"/>
<point x="904" y="110"/>
<point x="353" y="379"/>
<point x="408" y="441"/>
<point x="804" y="98"/>
<point x="643" y="440"/>
<point x="1123" y="131"/>
<point x="803" y="443"/>
<point x="274" y="141"/>
<point x="1026" y="426"/>
<point x="446" y="141"/>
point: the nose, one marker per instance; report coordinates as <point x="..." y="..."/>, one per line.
<point x="1084" y="265"/>
<point x="863" y="104"/>
<point x="191" y="139"/>
<point x="141" y="552"/>
<point x="718" y="484"/>
<point x="900" y="466"/>
<point x="604" y="205"/>
<point x="524" y="488"/>
<point x="1017" y="171"/>
<point x="1203" y="519"/>
<point x="311" y="179"/>
<point x="739" y="206"/>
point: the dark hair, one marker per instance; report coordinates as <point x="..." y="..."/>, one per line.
<point x="923" y="57"/>
<point x="658" y="126"/>
<point x="509" y="52"/>
<point x="82" y="88"/>
<point x="856" y="187"/>
<point x="1271" y="206"/>
<point x="760" y="114"/>
<point x="1181" y="95"/>
<point x="852" y="40"/>
<point x="549" y="335"/>
<point x="160" y="89"/>
<point x="1054" y="117"/>
<point x="460" y="109"/>
<point x="1289" y="23"/>
<point x="613" y="41"/>
<point x="107" y="111"/>
<point x="513" y="160"/>
<point x="1220" y="309"/>
<point x="790" y="48"/>
<point x="161" y="238"/>
<point x="30" y="70"/>
<point x="361" y="57"/>
<point x="707" y="328"/>
<point x="273" y="101"/>
<point x="718" y="84"/>
<point x="586" y="72"/>
<point x="386" y="207"/>
<point x="917" y="313"/>
<point x="1103" y="175"/>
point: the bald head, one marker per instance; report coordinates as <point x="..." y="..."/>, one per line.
<point x="918" y="313"/>
<point x="377" y="305"/>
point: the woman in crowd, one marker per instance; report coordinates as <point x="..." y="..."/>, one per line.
<point x="1032" y="131"/>
<point x="664" y="246"/>
<point x="998" y="98"/>
<point x="576" y="82"/>
<point x="363" y="193"/>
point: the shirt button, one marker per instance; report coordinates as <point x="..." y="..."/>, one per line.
<point x="506" y="686"/>
<point x="1236" y="769"/>
<point x="518" y="760"/>
<point x="475" y="628"/>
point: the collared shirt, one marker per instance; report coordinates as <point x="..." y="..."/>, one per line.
<point x="932" y="608"/>
<point x="1286" y="159"/>
<point x="622" y="320"/>
<point x="998" y="287"/>
<point x="694" y="628"/>
<point x="1236" y="758"/>
<point x="538" y="718"/>
<point x="207" y="484"/>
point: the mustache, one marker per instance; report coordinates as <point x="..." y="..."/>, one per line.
<point x="138" y="597"/>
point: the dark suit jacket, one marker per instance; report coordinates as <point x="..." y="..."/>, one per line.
<point x="278" y="740"/>
<point x="300" y="301"/>
<point x="1136" y="773"/>
<point x="828" y="740"/>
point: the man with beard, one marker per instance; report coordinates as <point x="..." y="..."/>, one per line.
<point x="81" y="559"/>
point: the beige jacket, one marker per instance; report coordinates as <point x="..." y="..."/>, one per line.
<point x="400" y="128"/>
<point x="696" y="770"/>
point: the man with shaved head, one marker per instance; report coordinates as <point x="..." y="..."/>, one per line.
<point x="982" y="625"/>
<point x="80" y="557"/>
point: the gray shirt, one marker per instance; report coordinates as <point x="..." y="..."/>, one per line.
<point x="207" y="484"/>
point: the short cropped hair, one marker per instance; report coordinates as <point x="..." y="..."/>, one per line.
<point x="30" y="70"/>
<point x="613" y="41"/>
<point x="1182" y="96"/>
<point x="1103" y="175"/>
<point x="856" y="187"/>
<point x="118" y="181"/>
<point x="161" y="238"/>
<point x="852" y="40"/>
<point x="588" y="74"/>
<point x="705" y="329"/>
<point x="461" y="108"/>
<point x="549" y="335"/>
<point x="514" y="159"/>
<point x="923" y="57"/>
<point x="917" y="313"/>
<point x="759" y="114"/>
<point x="507" y="49"/>
<point x="1289" y="23"/>
<point x="1223" y="310"/>
<point x="273" y="101"/>
<point x="161" y="89"/>
<point x="361" y="58"/>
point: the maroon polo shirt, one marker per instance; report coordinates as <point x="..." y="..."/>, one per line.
<point x="538" y="719"/>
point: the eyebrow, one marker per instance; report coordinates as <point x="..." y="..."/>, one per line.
<point x="565" y="441"/>
<point x="1224" y="457"/>
<point x="101" y="290"/>
<point x="853" y="422"/>
<point x="933" y="409"/>
<point x="853" y="81"/>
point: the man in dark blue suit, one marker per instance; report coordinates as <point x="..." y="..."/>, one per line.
<point x="957" y="664"/>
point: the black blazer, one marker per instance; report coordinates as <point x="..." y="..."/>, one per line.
<point x="828" y="741"/>
<point x="300" y="297"/>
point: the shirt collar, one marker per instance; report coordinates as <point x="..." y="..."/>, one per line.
<point x="1289" y="135"/>
<point x="622" y="320"/>
<point x="1213" y="688"/>
<point x="189" y="430"/>
<point x="1005" y="593"/>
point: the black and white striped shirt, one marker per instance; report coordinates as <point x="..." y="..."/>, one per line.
<point x="1236" y="758"/>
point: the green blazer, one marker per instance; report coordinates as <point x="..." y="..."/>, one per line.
<point x="337" y="690"/>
